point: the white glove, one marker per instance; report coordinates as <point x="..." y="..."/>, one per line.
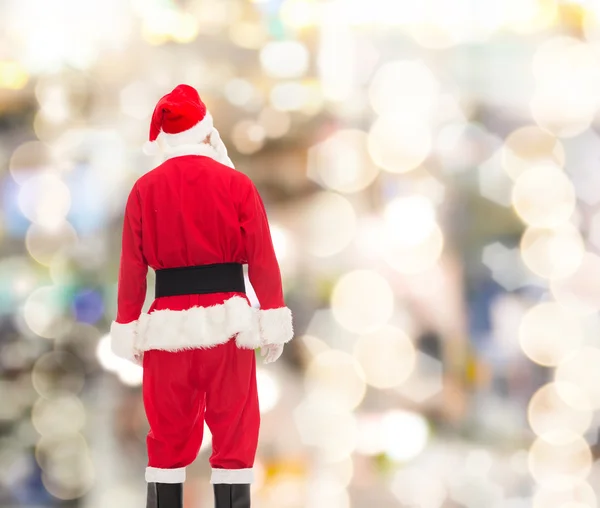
<point x="271" y="352"/>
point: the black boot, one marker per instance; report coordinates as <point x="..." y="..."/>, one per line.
<point x="165" y="495"/>
<point x="232" y="496"/>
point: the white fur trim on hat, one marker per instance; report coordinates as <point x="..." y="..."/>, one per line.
<point x="157" y="475"/>
<point x="232" y="476"/>
<point x="196" y="134"/>
<point x="122" y="340"/>
<point x="276" y="326"/>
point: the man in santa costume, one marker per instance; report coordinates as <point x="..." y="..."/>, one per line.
<point x="196" y="221"/>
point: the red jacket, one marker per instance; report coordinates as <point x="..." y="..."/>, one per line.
<point x="192" y="210"/>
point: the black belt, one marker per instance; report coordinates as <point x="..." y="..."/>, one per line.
<point x="199" y="280"/>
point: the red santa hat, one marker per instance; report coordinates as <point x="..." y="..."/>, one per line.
<point x="181" y="118"/>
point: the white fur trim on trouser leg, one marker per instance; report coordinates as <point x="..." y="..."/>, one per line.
<point x="232" y="476"/>
<point x="276" y="326"/>
<point x="122" y="339"/>
<point x="157" y="475"/>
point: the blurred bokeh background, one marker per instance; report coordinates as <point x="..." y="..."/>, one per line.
<point x="431" y="173"/>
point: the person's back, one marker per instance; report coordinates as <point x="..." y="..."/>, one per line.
<point x="191" y="204"/>
<point x="196" y="221"/>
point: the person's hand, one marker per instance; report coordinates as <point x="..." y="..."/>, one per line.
<point x="271" y="352"/>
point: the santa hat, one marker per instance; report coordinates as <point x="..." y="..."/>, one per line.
<point x="181" y="119"/>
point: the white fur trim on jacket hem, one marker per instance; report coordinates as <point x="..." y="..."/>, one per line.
<point x="199" y="327"/>
<point x="232" y="476"/>
<point x="276" y="326"/>
<point x="157" y="475"/>
<point x="122" y="339"/>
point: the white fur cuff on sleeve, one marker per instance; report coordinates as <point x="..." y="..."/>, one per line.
<point x="276" y="326"/>
<point x="122" y="340"/>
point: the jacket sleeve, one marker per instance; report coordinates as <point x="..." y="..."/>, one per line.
<point x="132" y="281"/>
<point x="275" y="318"/>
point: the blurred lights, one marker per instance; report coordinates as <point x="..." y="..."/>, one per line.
<point x="339" y="472"/>
<point x="581" y="370"/>
<point x="137" y="100"/>
<point x="68" y="471"/>
<point x="552" y="418"/>
<point x="552" y="253"/>
<point x="290" y="96"/>
<point x="548" y="333"/>
<point x="300" y="14"/>
<point x="565" y="493"/>
<point x="328" y="224"/>
<point x="550" y="462"/>
<point x="276" y="124"/>
<point x="127" y="372"/>
<point x="12" y="75"/>
<point x="411" y="219"/>
<point x="88" y="306"/>
<point x="322" y="424"/>
<point x="398" y="145"/>
<point x="529" y="146"/>
<point x="337" y="59"/>
<point x="387" y="357"/>
<point x="240" y="92"/>
<point x="43" y="244"/>
<point x="29" y="159"/>
<point x="342" y="162"/>
<point x="161" y="25"/>
<point x="247" y="35"/>
<point x="43" y="312"/>
<point x="416" y="486"/>
<point x="404" y="88"/>
<point x="326" y="492"/>
<point x="268" y="390"/>
<point x="405" y="434"/>
<point x="45" y="199"/>
<point x="362" y="301"/>
<point x="59" y="416"/>
<point x="58" y="372"/>
<point x="411" y="241"/>
<point x="284" y="59"/>
<point x="336" y="378"/>
<point x="531" y="15"/>
<point x="280" y="242"/>
<point x="248" y="137"/>
<point x="54" y="102"/>
<point x="580" y="291"/>
<point x="207" y="438"/>
<point x="543" y="196"/>
<point x="568" y="78"/>
<point x="402" y="435"/>
<point x="68" y="32"/>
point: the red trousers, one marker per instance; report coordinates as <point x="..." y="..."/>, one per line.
<point x="184" y="389"/>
